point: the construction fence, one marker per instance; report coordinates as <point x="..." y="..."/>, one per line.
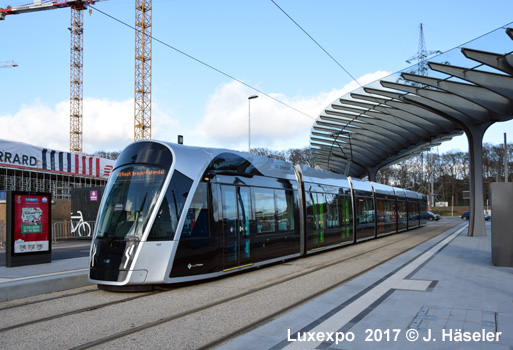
<point x="72" y="230"/>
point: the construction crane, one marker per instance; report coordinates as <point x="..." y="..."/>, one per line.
<point x="422" y="54"/>
<point x="142" y="103"/>
<point x="8" y="64"/>
<point x="76" y="57"/>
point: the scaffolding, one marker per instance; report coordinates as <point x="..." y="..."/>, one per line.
<point x="59" y="185"/>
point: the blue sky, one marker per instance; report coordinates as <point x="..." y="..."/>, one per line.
<point x="252" y="41"/>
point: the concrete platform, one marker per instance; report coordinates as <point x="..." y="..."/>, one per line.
<point x="30" y="280"/>
<point x="443" y="294"/>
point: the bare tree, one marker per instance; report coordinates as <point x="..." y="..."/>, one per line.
<point x="301" y="156"/>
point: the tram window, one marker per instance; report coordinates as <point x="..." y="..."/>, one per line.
<point x="401" y="207"/>
<point x="196" y="222"/>
<point x="347" y="210"/>
<point x="332" y="211"/>
<point x="264" y="210"/>
<point x="130" y="199"/>
<point x="164" y="227"/>
<point x="229" y="195"/>
<point x="364" y="210"/>
<point x="284" y="210"/>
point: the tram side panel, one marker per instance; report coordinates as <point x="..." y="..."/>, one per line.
<point x="329" y="217"/>
<point x="423" y="210"/>
<point x="364" y="210"/>
<point x="413" y="207"/>
<point x="386" y="215"/>
<point x="199" y="248"/>
<point x="386" y="209"/>
<point x="402" y="210"/>
<point x="275" y="224"/>
<point x="247" y="225"/>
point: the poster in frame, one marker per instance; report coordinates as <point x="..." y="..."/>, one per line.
<point x="29" y="234"/>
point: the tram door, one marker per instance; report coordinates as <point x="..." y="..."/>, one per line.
<point x="316" y="220"/>
<point x="236" y="225"/>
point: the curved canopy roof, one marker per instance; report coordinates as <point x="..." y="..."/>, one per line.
<point x="413" y="110"/>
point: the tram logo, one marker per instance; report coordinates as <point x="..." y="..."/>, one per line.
<point x="190" y="266"/>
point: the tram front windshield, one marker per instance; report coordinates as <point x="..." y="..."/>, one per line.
<point x="130" y="198"/>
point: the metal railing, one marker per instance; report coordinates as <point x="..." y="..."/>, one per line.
<point x="60" y="230"/>
<point x="72" y="229"/>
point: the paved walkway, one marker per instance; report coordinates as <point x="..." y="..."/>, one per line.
<point x="25" y="281"/>
<point x="443" y="294"/>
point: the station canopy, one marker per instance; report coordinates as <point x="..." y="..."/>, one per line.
<point x="460" y="91"/>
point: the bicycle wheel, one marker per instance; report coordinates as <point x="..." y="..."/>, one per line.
<point x="84" y="230"/>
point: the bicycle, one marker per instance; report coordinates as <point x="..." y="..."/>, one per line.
<point x="82" y="226"/>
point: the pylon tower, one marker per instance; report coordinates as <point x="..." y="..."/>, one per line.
<point x="422" y="54"/>
<point x="76" y="77"/>
<point x="142" y="113"/>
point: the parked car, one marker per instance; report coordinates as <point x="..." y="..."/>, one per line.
<point x="432" y="216"/>
<point x="466" y="216"/>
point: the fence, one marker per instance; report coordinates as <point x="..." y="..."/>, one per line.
<point x="72" y="229"/>
<point x="61" y="230"/>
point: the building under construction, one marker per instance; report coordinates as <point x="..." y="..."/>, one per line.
<point x="30" y="168"/>
<point x="25" y="167"/>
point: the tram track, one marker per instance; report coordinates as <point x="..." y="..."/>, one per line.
<point x="45" y="300"/>
<point x="64" y="314"/>
<point x="369" y="251"/>
<point x="260" y="322"/>
<point x="250" y="292"/>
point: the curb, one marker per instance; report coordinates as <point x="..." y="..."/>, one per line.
<point x="42" y="285"/>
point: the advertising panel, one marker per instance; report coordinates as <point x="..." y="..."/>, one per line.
<point x="31" y="229"/>
<point x="28" y="228"/>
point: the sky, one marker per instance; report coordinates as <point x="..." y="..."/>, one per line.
<point x="247" y="48"/>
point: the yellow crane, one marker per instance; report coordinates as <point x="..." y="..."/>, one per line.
<point x="76" y="57"/>
<point x="142" y="90"/>
<point x="142" y="105"/>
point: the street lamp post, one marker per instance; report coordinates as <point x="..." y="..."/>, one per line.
<point x="249" y="121"/>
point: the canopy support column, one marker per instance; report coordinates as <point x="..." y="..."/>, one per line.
<point x="475" y="135"/>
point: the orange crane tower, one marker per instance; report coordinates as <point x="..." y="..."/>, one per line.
<point x="76" y="57"/>
<point x="142" y="105"/>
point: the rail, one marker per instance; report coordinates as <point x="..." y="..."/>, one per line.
<point x="72" y="229"/>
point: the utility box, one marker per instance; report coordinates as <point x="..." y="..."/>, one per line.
<point x="502" y="223"/>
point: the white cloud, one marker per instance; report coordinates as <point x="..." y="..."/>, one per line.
<point x="108" y="124"/>
<point x="39" y="125"/>
<point x="273" y="125"/>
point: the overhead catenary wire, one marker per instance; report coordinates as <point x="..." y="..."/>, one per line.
<point x="335" y="134"/>
<point x="317" y="43"/>
<point x="330" y="56"/>
<point x="206" y="64"/>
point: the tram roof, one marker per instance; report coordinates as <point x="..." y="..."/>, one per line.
<point x="413" y="110"/>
